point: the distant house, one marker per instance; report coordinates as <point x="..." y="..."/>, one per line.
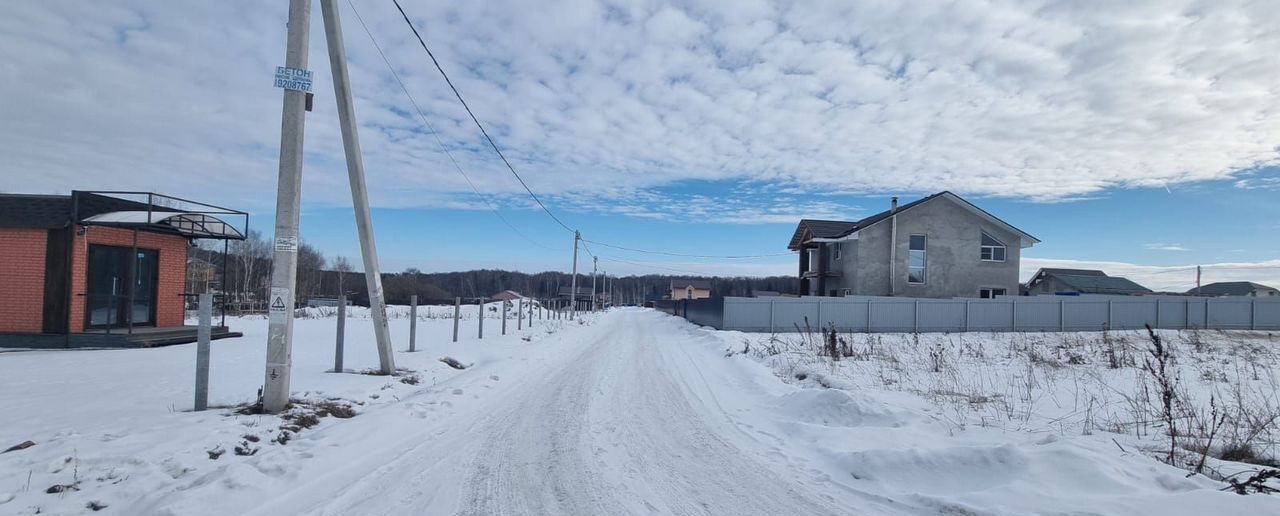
<point x="316" y="302"/>
<point x="506" y="295"/>
<point x="940" y="246"/>
<point x="1081" y="281"/>
<point x="1235" y="288"/>
<point x="584" y="293"/>
<point x="690" y="289"/>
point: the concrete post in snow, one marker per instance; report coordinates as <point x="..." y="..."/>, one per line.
<point x="480" y="333"/>
<point x="457" y="309"/>
<point x="342" y="333"/>
<point x="504" y="316"/>
<point x="413" y="323"/>
<point x="202" y="352"/>
<point x="520" y="315"/>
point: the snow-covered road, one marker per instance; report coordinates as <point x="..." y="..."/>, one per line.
<point x="626" y="421"/>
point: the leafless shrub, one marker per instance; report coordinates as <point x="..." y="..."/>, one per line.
<point x="1256" y="483"/>
<point x="1159" y="365"/>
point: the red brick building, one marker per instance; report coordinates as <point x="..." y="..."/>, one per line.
<point x="93" y="269"/>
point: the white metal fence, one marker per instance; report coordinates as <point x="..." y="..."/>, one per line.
<point x="1034" y="313"/>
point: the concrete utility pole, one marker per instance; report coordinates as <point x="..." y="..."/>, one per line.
<point x="573" y="285"/>
<point x="595" y="266"/>
<point x="359" y="191"/>
<point x="275" y="390"/>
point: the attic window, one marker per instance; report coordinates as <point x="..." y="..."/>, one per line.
<point x="992" y="250"/>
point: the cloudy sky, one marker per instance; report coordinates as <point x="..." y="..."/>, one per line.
<point x="1143" y="134"/>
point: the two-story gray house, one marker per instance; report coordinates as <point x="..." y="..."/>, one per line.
<point x="941" y="246"/>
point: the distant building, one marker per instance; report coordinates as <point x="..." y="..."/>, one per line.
<point x="940" y="246"/>
<point x="506" y="295"/>
<point x="1234" y="288"/>
<point x="690" y="289"/>
<point x="766" y="293"/>
<point x="1081" y="281"/>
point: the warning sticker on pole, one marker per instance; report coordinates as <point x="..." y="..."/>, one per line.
<point x="288" y="244"/>
<point x="278" y="306"/>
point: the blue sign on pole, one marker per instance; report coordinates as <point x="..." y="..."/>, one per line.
<point x="296" y="79"/>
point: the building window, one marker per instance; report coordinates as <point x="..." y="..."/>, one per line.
<point x="835" y="250"/>
<point x="992" y="250"/>
<point x="916" y="259"/>
<point x="813" y="259"/>
<point x="990" y="293"/>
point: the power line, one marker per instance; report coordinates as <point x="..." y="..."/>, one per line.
<point x="436" y="134"/>
<point x="477" y="120"/>
<point x="682" y="255"/>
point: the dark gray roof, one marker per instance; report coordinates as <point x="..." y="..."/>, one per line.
<point x="836" y="229"/>
<point x="1230" y="288"/>
<point x="34" y="211"/>
<point x="681" y="284"/>
<point x="820" y="229"/>
<point x="1092" y="284"/>
<point x="1073" y="272"/>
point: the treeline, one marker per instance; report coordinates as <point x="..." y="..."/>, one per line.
<point x="248" y="278"/>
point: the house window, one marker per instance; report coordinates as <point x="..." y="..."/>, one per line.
<point x="813" y="259"/>
<point x="835" y="250"/>
<point x="990" y="293"/>
<point x="916" y="259"/>
<point x="992" y="250"/>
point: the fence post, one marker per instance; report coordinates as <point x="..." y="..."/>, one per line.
<point x="1253" y="313"/>
<point x="915" y="316"/>
<point x="1157" y="314"/>
<point x="772" y="324"/>
<point x="203" y="334"/>
<point x="1206" y="313"/>
<point x="1186" y="313"/>
<point x="504" y="316"/>
<point x="967" y="302"/>
<point x="868" y="315"/>
<point x="413" y="323"/>
<point x="1111" y="325"/>
<point x="819" y="313"/>
<point x="1013" y="310"/>
<point x="1062" y="314"/>
<point x="342" y="333"/>
<point x="520" y="315"/>
<point x="480" y="332"/>
<point x="457" y="307"/>
<point x="531" y="309"/>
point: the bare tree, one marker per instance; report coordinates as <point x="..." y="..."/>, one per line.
<point x="249" y="254"/>
<point x="342" y="267"/>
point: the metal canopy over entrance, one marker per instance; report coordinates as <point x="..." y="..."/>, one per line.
<point x="188" y="224"/>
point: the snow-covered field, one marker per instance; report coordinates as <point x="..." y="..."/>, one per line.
<point x="628" y="412"/>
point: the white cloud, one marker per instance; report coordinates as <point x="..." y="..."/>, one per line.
<point x="1165" y="247"/>
<point x="1039" y="100"/>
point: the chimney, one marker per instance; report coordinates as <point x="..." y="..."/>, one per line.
<point x="893" y="205"/>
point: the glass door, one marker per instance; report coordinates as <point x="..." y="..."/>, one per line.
<point x="109" y="278"/>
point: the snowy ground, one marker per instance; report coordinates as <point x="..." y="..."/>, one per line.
<point x="628" y="412"/>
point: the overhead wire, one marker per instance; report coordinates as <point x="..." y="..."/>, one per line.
<point x="431" y="128"/>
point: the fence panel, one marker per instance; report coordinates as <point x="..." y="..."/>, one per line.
<point x="1036" y="313"/>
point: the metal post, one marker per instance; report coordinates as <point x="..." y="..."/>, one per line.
<point x="573" y="284"/>
<point x="413" y="323"/>
<point x="1062" y="314"/>
<point x="1206" y="313"/>
<point x="480" y="332"/>
<point x="1110" y="316"/>
<point x="868" y="315"/>
<point x="915" y="316"/>
<point x="520" y="315"/>
<point x="504" y="315"/>
<point x="342" y="333"/>
<point x="1157" y="314"/>
<point x="275" y="392"/>
<point x="133" y="276"/>
<point x="1186" y="314"/>
<point x="359" y="190"/>
<point x="1013" y="309"/>
<point x="773" y="328"/>
<point x="1253" y="314"/>
<point x="967" y="302"/>
<point x="457" y="309"/>
<point x="222" y="304"/>
<point x="202" y="352"/>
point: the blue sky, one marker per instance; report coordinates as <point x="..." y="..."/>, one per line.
<point x="1139" y="137"/>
